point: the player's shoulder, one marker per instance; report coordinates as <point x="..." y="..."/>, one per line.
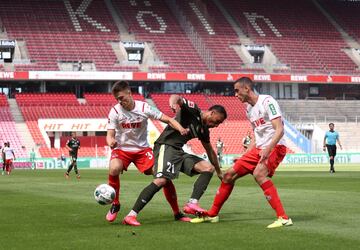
<point x="264" y="99"/>
<point x="116" y="109"/>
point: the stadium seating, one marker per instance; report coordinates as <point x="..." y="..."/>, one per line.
<point x="35" y="106"/>
<point x="315" y="111"/>
<point x="7" y="129"/>
<point x="51" y="36"/>
<point x="153" y="22"/>
<point x="216" y="33"/>
<point x="106" y="99"/>
<point x="346" y="14"/>
<point x="59" y="105"/>
<point x="306" y="42"/>
<point x="3" y="101"/>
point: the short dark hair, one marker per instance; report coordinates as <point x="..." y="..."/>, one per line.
<point x="247" y="81"/>
<point x="331" y="124"/>
<point x="120" y="86"/>
<point x="220" y="109"/>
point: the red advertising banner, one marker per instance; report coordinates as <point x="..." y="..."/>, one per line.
<point x="14" y="75"/>
<point x="176" y="76"/>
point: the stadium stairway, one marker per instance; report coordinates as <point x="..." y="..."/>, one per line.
<point x="21" y="127"/>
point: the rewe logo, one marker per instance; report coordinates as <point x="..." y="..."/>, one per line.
<point x="156" y="76"/>
<point x="296" y="78"/>
<point x="196" y="77"/>
<point x="262" y="77"/>
<point x="355" y="79"/>
<point x="7" y="75"/>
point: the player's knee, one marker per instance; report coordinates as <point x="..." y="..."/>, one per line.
<point x="160" y="182"/>
<point x="115" y="169"/>
<point x="209" y="168"/>
<point x="228" y="178"/>
<point x="260" y="177"/>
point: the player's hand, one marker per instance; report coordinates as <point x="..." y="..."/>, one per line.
<point x="175" y="107"/>
<point x="264" y="155"/>
<point x="113" y="144"/>
<point x="220" y="175"/>
<point x="184" y="131"/>
<point x="324" y="148"/>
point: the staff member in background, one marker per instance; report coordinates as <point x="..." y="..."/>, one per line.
<point x="330" y="139"/>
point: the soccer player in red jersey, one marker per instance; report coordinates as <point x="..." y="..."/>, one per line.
<point x="127" y="137"/>
<point x="262" y="156"/>
<point x="9" y="157"/>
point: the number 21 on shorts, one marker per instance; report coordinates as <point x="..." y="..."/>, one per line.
<point x="170" y="167"/>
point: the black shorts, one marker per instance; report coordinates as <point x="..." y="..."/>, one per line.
<point x="170" y="161"/>
<point x="331" y="150"/>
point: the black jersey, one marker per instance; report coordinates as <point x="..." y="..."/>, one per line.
<point x="189" y="117"/>
<point x="74" y="144"/>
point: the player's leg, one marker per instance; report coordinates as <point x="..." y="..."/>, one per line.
<point x="70" y="167"/>
<point x="75" y="168"/>
<point x="261" y="174"/>
<point x="226" y="187"/>
<point x="7" y="167"/>
<point x="118" y="163"/>
<point x="162" y="174"/>
<point x="194" y="165"/>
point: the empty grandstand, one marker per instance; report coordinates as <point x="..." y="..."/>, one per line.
<point x="69" y="52"/>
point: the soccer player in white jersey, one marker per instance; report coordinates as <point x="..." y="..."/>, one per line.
<point x="127" y="137"/>
<point x="9" y="157"/>
<point x="262" y="157"/>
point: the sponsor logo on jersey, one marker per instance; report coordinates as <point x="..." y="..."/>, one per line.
<point x="259" y="122"/>
<point x="131" y="125"/>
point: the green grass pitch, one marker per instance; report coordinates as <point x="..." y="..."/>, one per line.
<point x="42" y="210"/>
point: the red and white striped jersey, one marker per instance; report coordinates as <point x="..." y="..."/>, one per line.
<point x="131" y="126"/>
<point x="260" y="116"/>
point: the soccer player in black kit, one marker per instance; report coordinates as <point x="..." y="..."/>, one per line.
<point x="170" y="159"/>
<point x="73" y="145"/>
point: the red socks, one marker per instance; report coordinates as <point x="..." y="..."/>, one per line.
<point x="273" y="198"/>
<point x="114" y="181"/>
<point x="221" y="196"/>
<point x="170" y="194"/>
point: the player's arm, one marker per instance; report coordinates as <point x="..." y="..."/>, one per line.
<point x="212" y="157"/>
<point x="174" y="124"/>
<point x="113" y="120"/>
<point x="67" y="146"/>
<point x="12" y="151"/>
<point x="110" y="138"/>
<point x="278" y="126"/>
